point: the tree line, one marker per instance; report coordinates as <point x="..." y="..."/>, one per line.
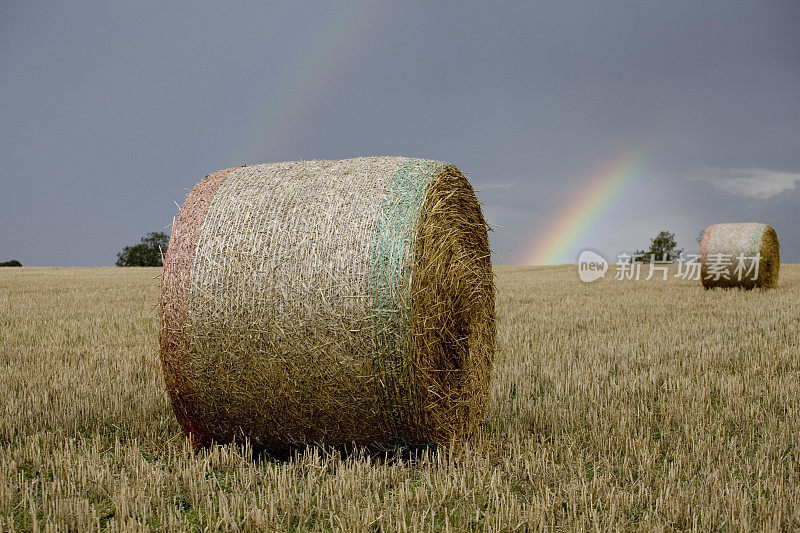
<point x="148" y="253"/>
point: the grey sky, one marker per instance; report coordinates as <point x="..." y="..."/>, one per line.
<point x="110" y="111"/>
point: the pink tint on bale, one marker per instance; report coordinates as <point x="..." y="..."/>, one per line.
<point x="175" y="294"/>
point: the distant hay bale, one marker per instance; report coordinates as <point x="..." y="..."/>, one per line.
<point x="329" y="302"/>
<point x="743" y="255"/>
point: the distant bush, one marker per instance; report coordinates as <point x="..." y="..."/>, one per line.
<point x="663" y="247"/>
<point x="145" y="254"/>
<point x="12" y="263"/>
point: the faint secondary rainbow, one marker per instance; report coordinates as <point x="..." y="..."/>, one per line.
<point x="295" y="94"/>
<point x="558" y="243"/>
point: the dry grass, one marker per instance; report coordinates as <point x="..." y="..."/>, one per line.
<point x="618" y="404"/>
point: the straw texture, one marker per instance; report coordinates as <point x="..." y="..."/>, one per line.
<point x="339" y="302"/>
<point x="722" y="246"/>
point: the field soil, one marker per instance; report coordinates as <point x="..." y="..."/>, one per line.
<point x="615" y="404"/>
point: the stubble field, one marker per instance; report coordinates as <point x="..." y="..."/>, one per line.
<point x="614" y="405"/>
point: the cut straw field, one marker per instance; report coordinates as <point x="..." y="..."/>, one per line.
<point x="615" y="404"/>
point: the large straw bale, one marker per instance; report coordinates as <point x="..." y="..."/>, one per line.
<point x="329" y="302"/>
<point x="744" y="255"/>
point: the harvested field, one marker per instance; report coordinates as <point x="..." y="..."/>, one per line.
<point x="614" y="404"/>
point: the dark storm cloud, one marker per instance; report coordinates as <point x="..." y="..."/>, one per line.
<point x="109" y="112"/>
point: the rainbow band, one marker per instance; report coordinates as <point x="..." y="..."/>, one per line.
<point x="322" y="59"/>
<point x="559" y="241"/>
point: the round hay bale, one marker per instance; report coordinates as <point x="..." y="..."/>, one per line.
<point x="345" y="303"/>
<point x="744" y="255"/>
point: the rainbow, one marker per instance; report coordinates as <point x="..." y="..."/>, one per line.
<point x="295" y="95"/>
<point x="558" y="243"/>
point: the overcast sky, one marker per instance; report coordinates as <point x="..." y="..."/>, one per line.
<point x="110" y="111"/>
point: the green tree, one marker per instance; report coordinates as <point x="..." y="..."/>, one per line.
<point x="147" y="253"/>
<point x="12" y="263"/>
<point x="663" y="247"/>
